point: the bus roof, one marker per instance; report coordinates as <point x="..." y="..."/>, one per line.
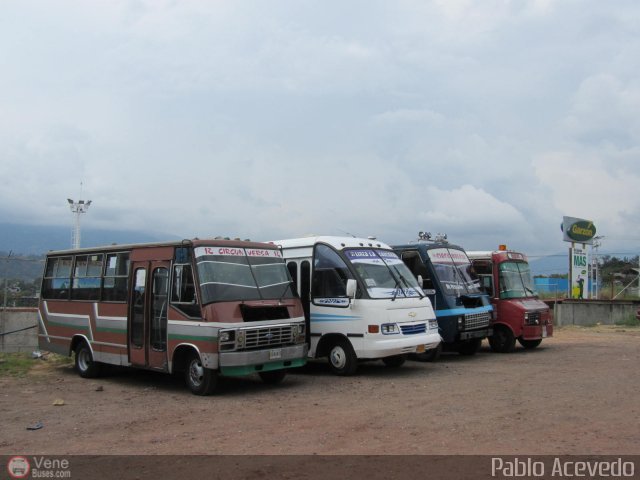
<point x="338" y="243"/>
<point x="429" y="246"/>
<point x="498" y="255"/>
<point x="477" y="255"/>
<point x="175" y="243"/>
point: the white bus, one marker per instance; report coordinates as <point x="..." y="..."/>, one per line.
<point x="360" y="302"/>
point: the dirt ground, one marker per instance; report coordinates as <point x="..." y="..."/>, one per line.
<point x="576" y="394"/>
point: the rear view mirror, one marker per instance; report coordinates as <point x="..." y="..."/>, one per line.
<point x="352" y="285"/>
<point x="420" y="281"/>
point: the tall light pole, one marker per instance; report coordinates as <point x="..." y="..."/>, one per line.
<point x="77" y="208"/>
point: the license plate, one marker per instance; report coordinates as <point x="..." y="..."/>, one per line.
<point x="275" y="354"/>
<point x="544" y="331"/>
<point x="420" y="349"/>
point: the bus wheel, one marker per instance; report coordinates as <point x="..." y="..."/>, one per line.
<point x="470" y="347"/>
<point x="429" y="356"/>
<point x="85" y="365"/>
<point x="273" y="377"/>
<point x="502" y="340"/>
<point x="200" y="380"/>
<point x="529" y="344"/>
<point x="342" y="358"/>
<point x="394" y="361"/>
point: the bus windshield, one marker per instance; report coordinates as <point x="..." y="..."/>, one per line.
<point x="383" y="273"/>
<point x="515" y="280"/>
<point x="234" y="273"/>
<point x="453" y="270"/>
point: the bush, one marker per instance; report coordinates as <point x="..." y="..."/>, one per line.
<point x="630" y="321"/>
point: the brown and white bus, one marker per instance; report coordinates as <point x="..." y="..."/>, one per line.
<point x="202" y="307"/>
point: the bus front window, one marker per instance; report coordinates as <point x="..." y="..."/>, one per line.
<point x="453" y="270"/>
<point x="383" y="273"/>
<point x="515" y="280"/>
<point x="236" y="274"/>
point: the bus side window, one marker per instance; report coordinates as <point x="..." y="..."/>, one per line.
<point x="486" y="284"/>
<point x="413" y="261"/>
<point x="183" y="291"/>
<point x="330" y="274"/>
<point x="116" y="277"/>
<point x="293" y="271"/>
<point x="56" y="283"/>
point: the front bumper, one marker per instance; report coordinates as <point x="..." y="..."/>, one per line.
<point x="485" y="332"/>
<point x="244" y="363"/>
<point x="387" y="347"/>
<point x="536" y="332"/>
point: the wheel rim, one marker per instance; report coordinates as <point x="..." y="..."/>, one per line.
<point x="338" y="357"/>
<point x="84" y="359"/>
<point x="196" y="372"/>
<point x="502" y="339"/>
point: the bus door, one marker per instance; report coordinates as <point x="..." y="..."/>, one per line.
<point x="302" y="281"/>
<point x="148" y="305"/>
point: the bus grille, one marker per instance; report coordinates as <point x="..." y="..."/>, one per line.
<point x="268" y="336"/>
<point x="413" y="329"/>
<point x="477" y="320"/>
<point x="533" y="318"/>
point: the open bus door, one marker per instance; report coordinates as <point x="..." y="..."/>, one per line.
<point x="148" y="303"/>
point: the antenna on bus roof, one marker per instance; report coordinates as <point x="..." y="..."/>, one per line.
<point x="345" y="232"/>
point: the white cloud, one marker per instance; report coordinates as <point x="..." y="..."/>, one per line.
<point x="286" y="118"/>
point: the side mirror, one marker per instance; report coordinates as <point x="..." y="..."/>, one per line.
<point x="352" y="285"/>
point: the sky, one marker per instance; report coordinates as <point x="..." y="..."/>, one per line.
<point x="486" y="120"/>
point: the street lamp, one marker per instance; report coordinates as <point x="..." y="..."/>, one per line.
<point x="77" y="208"/>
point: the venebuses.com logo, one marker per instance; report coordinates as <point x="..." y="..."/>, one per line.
<point x="18" y="467"/>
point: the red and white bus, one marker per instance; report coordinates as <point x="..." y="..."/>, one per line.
<point x="518" y="312"/>
<point x="202" y="307"/>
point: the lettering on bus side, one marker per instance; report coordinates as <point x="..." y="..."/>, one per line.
<point x="331" y="301"/>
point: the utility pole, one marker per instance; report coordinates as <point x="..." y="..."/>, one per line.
<point x="596" y="263"/>
<point x="4" y="303"/>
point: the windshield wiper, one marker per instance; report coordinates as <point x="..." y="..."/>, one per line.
<point x="406" y="283"/>
<point x="397" y="287"/>
<point x="286" y="287"/>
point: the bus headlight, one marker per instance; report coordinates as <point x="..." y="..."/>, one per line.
<point x="389" y="329"/>
<point x="298" y="336"/>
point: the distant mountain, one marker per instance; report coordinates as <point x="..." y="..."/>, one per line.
<point x="37" y="240"/>
<point x="550" y="264"/>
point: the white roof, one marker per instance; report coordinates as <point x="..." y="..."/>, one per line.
<point x="479" y="254"/>
<point x="337" y="242"/>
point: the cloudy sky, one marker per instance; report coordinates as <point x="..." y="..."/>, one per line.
<point x="488" y="120"/>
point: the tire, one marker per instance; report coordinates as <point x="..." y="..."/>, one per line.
<point x="395" y="361"/>
<point x="84" y="363"/>
<point x="431" y="355"/>
<point x="200" y="380"/>
<point x="469" y="347"/>
<point x="529" y="344"/>
<point x="273" y="377"/>
<point x="502" y="340"/>
<point x="342" y="358"/>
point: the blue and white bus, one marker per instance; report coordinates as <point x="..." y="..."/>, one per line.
<point x="463" y="310"/>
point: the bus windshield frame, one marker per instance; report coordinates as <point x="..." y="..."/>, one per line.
<point x="383" y="274"/>
<point x="515" y="280"/>
<point x="453" y="270"/>
<point x="227" y="274"/>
